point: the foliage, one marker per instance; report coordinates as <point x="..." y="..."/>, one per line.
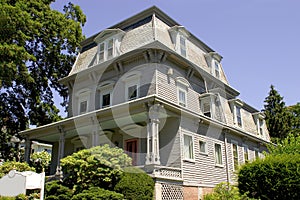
<point x="95" y="193"/>
<point x="135" y="184"/>
<point x="289" y="145"/>
<point x="278" y="119"/>
<point x="38" y="46"/>
<point x="18" y="166"/>
<point x="54" y="190"/>
<point x="99" y="166"/>
<point x="275" y="177"/>
<point x="40" y="161"/>
<point x="225" y="191"/>
<point x="295" y="112"/>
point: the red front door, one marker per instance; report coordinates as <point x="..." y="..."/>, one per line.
<point x="131" y="150"/>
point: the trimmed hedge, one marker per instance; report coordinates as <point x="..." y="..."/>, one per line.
<point x="54" y="190"/>
<point x="275" y="177"/>
<point x="135" y="184"/>
<point x="95" y="193"/>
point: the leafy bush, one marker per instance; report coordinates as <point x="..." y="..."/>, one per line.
<point x="225" y="191"/>
<point x="135" y="184"/>
<point x="19" y="197"/>
<point x="95" y="193"/>
<point x="275" y="177"/>
<point x="40" y="161"/>
<point x="54" y="190"/>
<point x="18" y="166"/>
<point x="289" y="145"/>
<point x="99" y="166"/>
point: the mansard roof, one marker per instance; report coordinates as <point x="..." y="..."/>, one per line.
<point x="140" y="19"/>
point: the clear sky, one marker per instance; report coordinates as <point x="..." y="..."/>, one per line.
<point x="258" y="39"/>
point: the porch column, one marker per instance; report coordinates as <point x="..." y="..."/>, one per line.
<point x="95" y="131"/>
<point x="152" y="156"/>
<point x="61" y="149"/>
<point x="27" y="149"/>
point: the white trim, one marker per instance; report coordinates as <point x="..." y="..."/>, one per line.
<point x="193" y="148"/>
<point x="233" y="142"/>
<point x="246" y="146"/>
<point x="205" y="147"/>
<point x="222" y="162"/>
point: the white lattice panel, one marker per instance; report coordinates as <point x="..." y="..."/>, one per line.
<point x="171" y="192"/>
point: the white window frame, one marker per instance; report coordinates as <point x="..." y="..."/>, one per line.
<point x="207" y="100"/>
<point x="216" y="68"/>
<point x="204" y="142"/>
<point x="238" y="115"/>
<point x="105" y="43"/>
<point x="132" y="79"/>
<point x="106" y="88"/>
<point x="82" y="96"/>
<point x="221" y="164"/>
<point x="182" y="90"/>
<point x="182" y="47"/>
<point x="191" y="150"/>
<point x="233" y="142"/>
<point x="256" y="151"/>
<point x="182" y="86"/>
<point x="244" y="153"/>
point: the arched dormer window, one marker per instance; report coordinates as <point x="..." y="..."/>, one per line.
<point x="182" y="90"/>
<point x="83" y="97"/>
<point x="105" y="88"/>
<point x="108" y="42"/>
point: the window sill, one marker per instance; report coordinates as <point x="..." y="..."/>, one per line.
<point x="219" y="166"/>
<point x="204" y="153"/>
<point x="189" y="161"/>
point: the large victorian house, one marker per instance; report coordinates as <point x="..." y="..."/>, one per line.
<point x="149" y="86"/>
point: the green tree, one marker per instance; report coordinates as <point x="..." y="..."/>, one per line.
<point x="295" y="112"/>
<point x="40" y="161"/>
<point x="278" y="119"/>
<point x="38" y="46"/>
<point x="99" y="166"/>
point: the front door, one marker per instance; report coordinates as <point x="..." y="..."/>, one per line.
<point x="131" y="150"/>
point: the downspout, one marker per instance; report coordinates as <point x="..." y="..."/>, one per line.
<point x="226" y="157"/>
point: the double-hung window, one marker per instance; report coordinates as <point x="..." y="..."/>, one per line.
<point x="83" y="97"/>
<point x="203" y="146"/>
<point x="182" y="45"/>
<point x="218" y="154"/>
<point x="188" y="148"/>
<point x="217" y="69"/>
<point x="106" y="50"/>
<point x="235" y="155"/>
<point x="238" y="116"/>
<point x="132" y="86"/>
<point x="182" y="90"/>
<point x="106" y="89"/>
<point x="246" y="153"/>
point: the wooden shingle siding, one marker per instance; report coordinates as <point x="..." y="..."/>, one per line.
<point x="137" y="37"/>
<point x="162" y="34"/>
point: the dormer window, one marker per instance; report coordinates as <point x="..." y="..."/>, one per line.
<point x="217" y="69"/>
<point x="108" y="44"/>
<point x="236" y="106"/>
<point x="106" y="50"/>
<point x="179" y="37"/>
<point x="213" y="60"/>
<point x="182" y="90"/>
<point x="182" y="45"/>
<point x="238" y="116"/>
<point x="260" y="122"/>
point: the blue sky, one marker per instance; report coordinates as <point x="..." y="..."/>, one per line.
<point x="258" y="39"/>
